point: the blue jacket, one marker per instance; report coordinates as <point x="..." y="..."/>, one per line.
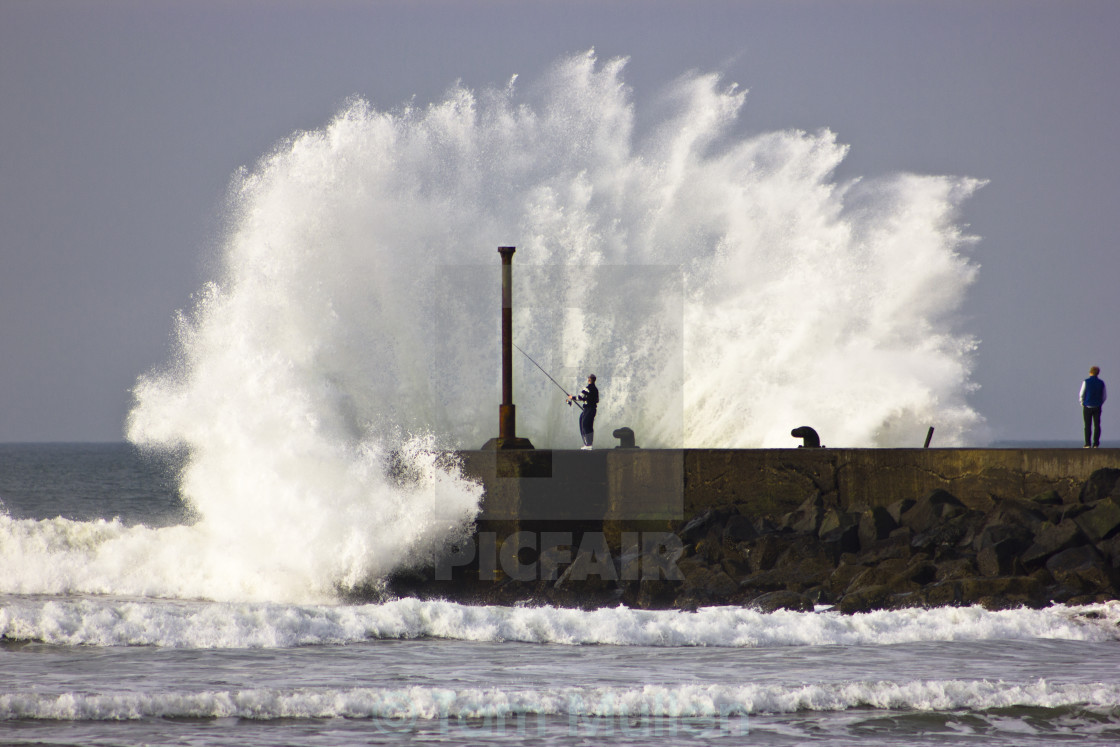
<point x="1093" y="393"/>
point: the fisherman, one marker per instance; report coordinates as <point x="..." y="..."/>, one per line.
<point x="1092" y="397"/>
<point x="590" y="399"/>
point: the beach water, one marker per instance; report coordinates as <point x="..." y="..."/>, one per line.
<point x="86" y="666"/>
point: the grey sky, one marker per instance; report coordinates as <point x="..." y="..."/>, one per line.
<point x="121" y="124"/>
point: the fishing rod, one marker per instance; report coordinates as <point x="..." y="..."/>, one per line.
<point x="546" y="373"/>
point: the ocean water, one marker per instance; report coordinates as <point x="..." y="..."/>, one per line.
<point x="81" y="663"/>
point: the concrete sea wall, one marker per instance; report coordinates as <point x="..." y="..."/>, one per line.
<point x="859" y="529"/>
<point x="677" y="484"/>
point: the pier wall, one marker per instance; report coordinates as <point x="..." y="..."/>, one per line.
<point x="640" y="486"/>
<point x="859" y="529"/>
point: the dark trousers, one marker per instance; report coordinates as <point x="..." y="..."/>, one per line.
<point x="1092" y="417"/>
<point x="587" y="425"/>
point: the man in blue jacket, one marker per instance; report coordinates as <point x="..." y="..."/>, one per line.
<point x="1092" y="397"/>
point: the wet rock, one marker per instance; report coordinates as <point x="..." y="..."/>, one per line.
<point x="875" y="524"/>
<point x="782" y="600"/>
<point x="739" y="529"/>
<point x="705" y="582"/>
<point x="840" y="528"/>
<point x="899" y="574"/>
<point x="897" y="545"/>
<point x="941" y="539"/>
<point x="840" y="579"/>
<point x="1101" y="521"/>
<point x="736" y="570"/>
<point x="711" y="547"/>
<point x="1101" y="484"/>
<point x="956" y="568"/>
<point x="721" y="586"/>
<point x="1082" y="568"/>
<point x="866" y="599"/>
<point x="885" y="573"/>
<point x="651" y="595"/>
<point x="999" y="558"/>
<point x="763" y="552"/>
<point x="1002" y="593"/>
<point x="942" y="594"/>
<point x="1110" y="549"/>
<point x="931" y="511"/>
<point x="1023" y="514"/>
<point x="1051" y="539"/>
<point x="699" y="527"/>
<point x="899" y="507"/>
<point x="1048" y="498"/>
<point x="590" y="572"/>
<point x="805" y="563"/>
<point x="1020" y="536"/>
<point x="806" y="518"/>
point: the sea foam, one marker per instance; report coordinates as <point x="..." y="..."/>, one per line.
<point x="409" y="704"/>
<point x="98" y="621"/>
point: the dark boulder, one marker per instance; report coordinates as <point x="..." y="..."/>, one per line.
<point x="807" y="559"/>
<point x="897" y="545"/>
<point x="942" y="594"/>
<point x="1013" y="513"/>
<point x="762" y="552"/>
<point x="705" y="582"/>
<point x="932" y="510"/>
<point x="999" y="558"/>
<point x="942" y="539"/>
<point x="804" y="564"/>
<point x="1110" y="549"/>
<point x="782" y="600"/>
<point x="806" y="518"/>
<point x="1100" y="484"/>
<point x="875" y="524"/>
<point x="1082" y="567"/>
<point x="699" y="527"/>
<point x="1048" y="499"/>
<point x="956" y="568"/>
<point x="739" y="529"/>
<point x="1101" y="521"/>
<point x="899" y="507"/>
<point x="866" y="599"/>
<point x="840" y="579"/>
<point x="1005" y="592"/>
<point x="711" y="547"/>
<point x="900" y="575"/>
<point x="840" y="528"/>
<point x="1051" y="539"/>
<point x="1019" y="536"/>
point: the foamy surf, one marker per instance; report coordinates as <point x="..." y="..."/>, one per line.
<point x="409" y="704"/>
<point x="97" y="621"/>
<point x="369" y="513"/>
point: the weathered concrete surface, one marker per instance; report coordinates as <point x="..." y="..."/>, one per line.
<point x="639" y="485"/>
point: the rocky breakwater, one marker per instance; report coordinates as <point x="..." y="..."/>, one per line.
<point x="787" y="529"/>
<point x="931" y="550"/>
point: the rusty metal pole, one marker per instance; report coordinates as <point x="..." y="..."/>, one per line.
<point x="507" y="418"/>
